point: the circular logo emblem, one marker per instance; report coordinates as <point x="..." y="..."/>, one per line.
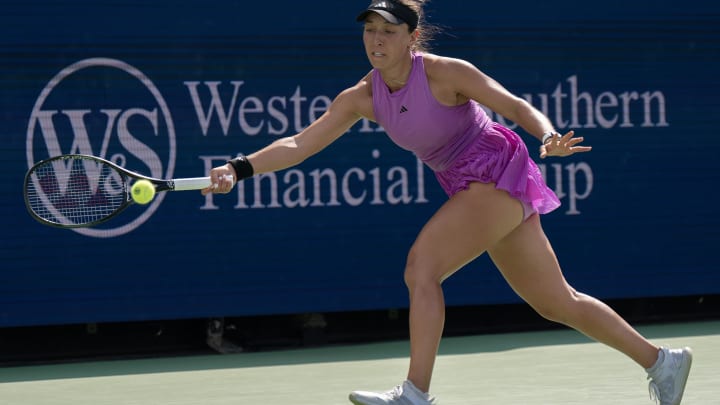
<point x="107" y="108"/>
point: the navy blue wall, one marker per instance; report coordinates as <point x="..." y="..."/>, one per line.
<point x="173" y="88"/>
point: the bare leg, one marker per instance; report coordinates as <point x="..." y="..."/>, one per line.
<point x="461" y="230"/>
<point x="528" y="263"/>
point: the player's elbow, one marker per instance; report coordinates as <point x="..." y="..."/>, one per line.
<point x="520" y="110"/>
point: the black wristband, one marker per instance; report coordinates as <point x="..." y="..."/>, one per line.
<point x="242" y="166"/>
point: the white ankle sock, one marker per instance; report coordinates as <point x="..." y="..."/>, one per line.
<point x="658" y="363"/>
<point x="417" y="390"/>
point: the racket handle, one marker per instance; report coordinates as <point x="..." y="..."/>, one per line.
<point x="193" y="183"/>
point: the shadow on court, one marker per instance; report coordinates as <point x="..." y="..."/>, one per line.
<point x="486" y="343"/>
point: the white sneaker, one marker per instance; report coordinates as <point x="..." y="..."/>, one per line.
<point x="405" y="394"/>
<point x="669" y="375"/>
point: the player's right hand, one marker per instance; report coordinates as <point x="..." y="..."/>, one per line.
<point x="222" y="180"/>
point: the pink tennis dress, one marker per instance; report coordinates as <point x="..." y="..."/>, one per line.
<point x="460" y="143"/>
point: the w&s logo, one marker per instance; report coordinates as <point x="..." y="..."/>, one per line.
<point x="107" y="108"/>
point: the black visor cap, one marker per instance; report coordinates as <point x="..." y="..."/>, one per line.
<point x="393" y="12"/>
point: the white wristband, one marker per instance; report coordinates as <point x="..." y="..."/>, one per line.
<point x="548" y="135"/>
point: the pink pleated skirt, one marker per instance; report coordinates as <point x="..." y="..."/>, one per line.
<point x="499" y="156"/>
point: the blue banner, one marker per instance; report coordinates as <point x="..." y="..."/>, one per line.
<point x="172" y="89"/>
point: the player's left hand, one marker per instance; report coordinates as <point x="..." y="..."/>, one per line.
<point x="564" y="145"/>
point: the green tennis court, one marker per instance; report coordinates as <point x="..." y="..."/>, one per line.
<point x="549" y="367"/>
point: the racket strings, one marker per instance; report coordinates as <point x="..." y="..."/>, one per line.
<point x="75" y="191"/>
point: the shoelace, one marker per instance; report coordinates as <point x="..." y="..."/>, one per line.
<point x="655" y="388"/>
<point x="654" y="391"/>
<point x="396" y="392"/>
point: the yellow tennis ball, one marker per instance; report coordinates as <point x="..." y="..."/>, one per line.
<point x="142" y="191"/>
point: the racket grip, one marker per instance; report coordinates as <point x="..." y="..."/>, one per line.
<point x="194" y="183"/>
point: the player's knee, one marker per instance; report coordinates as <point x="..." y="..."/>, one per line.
<point x="419" y="271"/>
<point x="561" y="308"/>
<point x="550" y="312"/>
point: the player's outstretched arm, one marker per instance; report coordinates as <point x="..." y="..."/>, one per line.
<point x="289" y="151"/>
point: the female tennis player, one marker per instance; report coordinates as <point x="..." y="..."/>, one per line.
<point x="430" y="105"/>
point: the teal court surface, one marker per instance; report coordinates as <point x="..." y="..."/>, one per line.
<point x="548" y="367"/>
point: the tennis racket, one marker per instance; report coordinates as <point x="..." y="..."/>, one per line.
<point x="77" y="191"/>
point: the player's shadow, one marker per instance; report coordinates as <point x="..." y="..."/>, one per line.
<point x="329" y="354"/>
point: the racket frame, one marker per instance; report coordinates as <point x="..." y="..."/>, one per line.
<point x="180" y="184"/>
